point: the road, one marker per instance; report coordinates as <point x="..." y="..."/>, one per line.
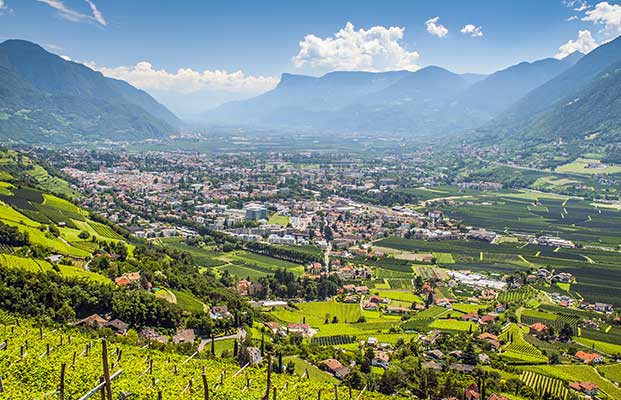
<point x="241" y="334"/>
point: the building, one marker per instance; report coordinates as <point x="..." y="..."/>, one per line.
<point x="92" y="321"/>
<point x="118" y="327"/>
<point x="184" y="336"/>
<point x="254" y="355"/>
<point x="255" y="212"/>
<point x="127" y="278"/>
<point x="588" y="388"/>
<point x="589" y="358"/>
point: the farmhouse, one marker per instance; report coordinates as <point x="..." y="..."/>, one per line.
<point x="127" y="278"/>
<point x="537" y="328"/>
<point x="93" y="321"/>
<point x="184" y="336"/>
<point x="588" y="388"/>
<point x="589" y="358"/>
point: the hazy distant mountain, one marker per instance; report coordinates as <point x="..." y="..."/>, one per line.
<point x="503" y="88"/>
<point x="558" y="91"/>
<point x="46" y="98"/>
<point x="431" y="100"/>
<point x="305" y="94"/>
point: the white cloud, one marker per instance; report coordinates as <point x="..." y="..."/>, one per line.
<point x="186" y="80"/>
<point x="577" y="5"/>
<point x="584" y="44"/>
<point x="608" y="15"/>
<point x="572" y="18"/>
<point x="4" y="8"/>
<point x="436" y="29"/>
<point x="75" y="16"/>
<point x="472" y="30"/>
<point x="96" y="13"/>
<point x="375" y="49"/>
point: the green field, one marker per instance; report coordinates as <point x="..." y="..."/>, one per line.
<point x="245" y="264"/>
<point x="573" y="373"/>
<point x="277" y="219"/>
<point x="580" y="166"/>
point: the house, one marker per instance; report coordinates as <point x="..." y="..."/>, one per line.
<point x="127" y="278"/>
<point x="362" y="290"/>
<point x="537" y="328"/>
<point x="495" y="396"/>
<point x="437" y="354"/>
<point x="381" y="359"/>
<point x="472" y="392"/>
<point x="491" y="339"/>
<point x="92" y="321"/>
<point x="371" y="306"/>
<point x="589" y="358"/>
<point x="118" y="327"/>
<point x="377" y="300"/>
<point x="184" y="336"/>
<point x="432" y="365"/>
<point x="219" y="312"/>
<point x="393" y="310"/>
<point x="151" y="334"/>
<point x="470" y="317"/>
<point x="342" y="372"/>
<point x="273" y="326"/>
<point x="254" y="355"/>
<point x="487" y="319"/>
<point x="588" y="388"/>
<point x="463" y="368"/>
<point x="301" y="329"/>
<point x="331" y="364"/>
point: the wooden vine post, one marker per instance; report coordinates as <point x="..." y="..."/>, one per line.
<point x="61" y="386"/>
<point x="269" y="378"/>
<point x="205" y="386"/>
<point x="106" y="369"/>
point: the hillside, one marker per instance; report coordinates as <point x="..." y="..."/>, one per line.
<point x="48" y="99"/>
<point x="595" y="109"/>
<point x="559" y="90"/>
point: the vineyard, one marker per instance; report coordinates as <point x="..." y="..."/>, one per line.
<point x="518" y="349"/>
<point x="545" y="385"/>
<point x="335" y="340"/>
<point x="556" y="321"/>
<point x="518" y="295"/>
<point x="32" y="359"/>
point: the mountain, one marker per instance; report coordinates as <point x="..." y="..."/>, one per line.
<point x="560" y="90"/>
<point x="594" y="109"/>
<point x="46" y="98"/>
<point x="302" y="94"/>
<point x="431" y="100"/>
<point x="503" y="88"/>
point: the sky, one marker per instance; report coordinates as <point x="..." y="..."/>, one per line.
<point x="195" y="54"/>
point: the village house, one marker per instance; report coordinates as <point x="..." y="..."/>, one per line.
<point x="92" y="321"/>
<point x="588" y="388"/>
<point x="381" y="359"/>
<point x="184" y="336"/>
<point x="589" y="358"/>
<point x="117" y="326"/>
<point x="219" y="312"/>
<point x="127" y="278"/>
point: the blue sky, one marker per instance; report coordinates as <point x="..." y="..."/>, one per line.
<point x="211" y="51"/>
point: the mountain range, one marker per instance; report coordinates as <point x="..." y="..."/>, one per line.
<point x="431" y="100"/>
<point x="45" y="98"/>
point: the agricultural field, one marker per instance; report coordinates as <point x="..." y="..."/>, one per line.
<point x="32" y="265"/>
<point x="545" y="385"/>
<point x="302" y="367"/>
<point x="573" y="373"/>
<point x="246" y="264"/>
<point x="83" y="371"/>
<point x="518" y="350"/>
<point x="589" y="167"/>
<point x="204" y="257"/>
<point x="453" y="325"/>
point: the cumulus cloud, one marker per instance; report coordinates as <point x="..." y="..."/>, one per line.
<point x="472" y="30"/>
<point x="76" y="16"/>
<point x="436" y="29"/>
<point x="375" y="49"/>
<point x="584" y="44"/>
<point x="608" y="15"/>
<point x="186" y="80"/>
